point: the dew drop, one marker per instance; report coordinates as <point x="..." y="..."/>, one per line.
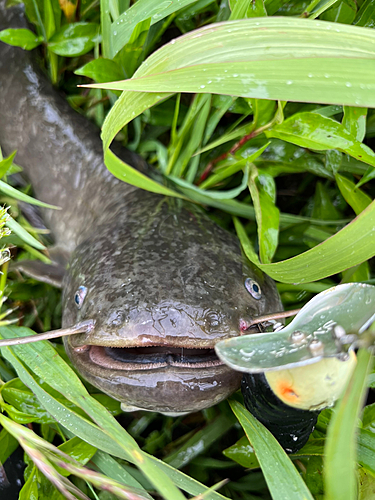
<point x="114" y="33"/>
<point x="310" y="75"/>
<point x="203" y="86"/>
<point x="289" y="82"/>
<point x="235" y="75"/>
<point x="173" y="42"/>
<point x="326" y="75"/>
<point x="348" y="84"/>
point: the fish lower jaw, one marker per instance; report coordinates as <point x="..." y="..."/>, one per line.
<point x="151" y="358"/>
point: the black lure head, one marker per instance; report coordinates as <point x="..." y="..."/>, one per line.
<point x="290" y="426"/>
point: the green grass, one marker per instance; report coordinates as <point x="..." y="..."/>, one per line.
<point x="294" y="179"/>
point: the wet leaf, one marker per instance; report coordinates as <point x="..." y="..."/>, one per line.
<point x="242" y="9"/>
<point x="243" y="453"/>
<point x="340" y="449"/>
<point x="355" y="121"/>
<point x="101" y="70"/>
<point x="263" y="193"/>
<point x="356" y="198"/>
<point x="74" y="39"/>
<point x="313" y="131"/>
<point x="355" y="243"/>
<point x="282" y="477"/>
<point x="18" y="195"/>
<point x="23" y="38"/>
<point x="17" y="229"/>
<point x="45" y="362"/>
<point x="8" y="444"/>
<point x="6" y="163"/>
<point x="366" y="15"/>
<point x="157" y="10"/>
<point x="240" y="67"/>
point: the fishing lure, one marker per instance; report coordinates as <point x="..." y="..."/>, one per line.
<point x="292" y="374"/>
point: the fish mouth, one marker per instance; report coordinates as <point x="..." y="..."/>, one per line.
<point x="154" y="355"/>
<point x="151" y="358"/>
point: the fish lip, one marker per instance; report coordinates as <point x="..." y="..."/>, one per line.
<point x="101" y="355"/>
<point x="79" y="340"/>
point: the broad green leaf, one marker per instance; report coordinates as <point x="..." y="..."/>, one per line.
<point x="243" y="453"/>
<point x="263" y="111"/>
<point x="29" y="490"/>
<point x="343" y="12"/>
<point x="49" y="19"/>
<point x="45" y="363"/>
<point x="242" y="67"/>
<point x="366" y="485"/>
<point x="23" y="38"/>
<point x="23" y="234"/>
<point x="366" y="15"/>
<point x="329" y="64"/>
<point x="111" y="468"/>
<point x="74" y="39"/>
<point x="132" y="176"/>
<point x="355" y="243"/>
<point x="356" y="198"/>
<point x="263" y="193"/>
<point x="101" y="70"/>
<point x="77" y="449"/>
<point x="357" y="274"/>
<point x="242" y="9"/>
<point x="355" y="121"/>
<point x="366" y="449"/>
<point x="314" y="131"/>
<point x="340" y="449"/>
<point x="333" y="160"/>
<point x="105" y="28"/>
<point x="122" y="28"/>
<point x="132" y="52"/>
<point x="283" y="479"/>
<point x="6" y="163"/>
<point x="8" y="444"/>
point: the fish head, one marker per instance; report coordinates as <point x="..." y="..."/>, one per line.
<point x="163" y="284"/>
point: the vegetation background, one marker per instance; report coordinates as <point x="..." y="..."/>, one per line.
<point x="266" y="120"/>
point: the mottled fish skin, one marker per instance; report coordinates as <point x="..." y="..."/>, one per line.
<point x="158" y="271"/>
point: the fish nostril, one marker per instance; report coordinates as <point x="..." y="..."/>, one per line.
<point x="244" y="325"/>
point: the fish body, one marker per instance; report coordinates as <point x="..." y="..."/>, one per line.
<point x="162" y="282"/>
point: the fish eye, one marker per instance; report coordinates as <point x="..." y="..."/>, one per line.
<point x="253" y="288"/>
<point x="79" y="296"/>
